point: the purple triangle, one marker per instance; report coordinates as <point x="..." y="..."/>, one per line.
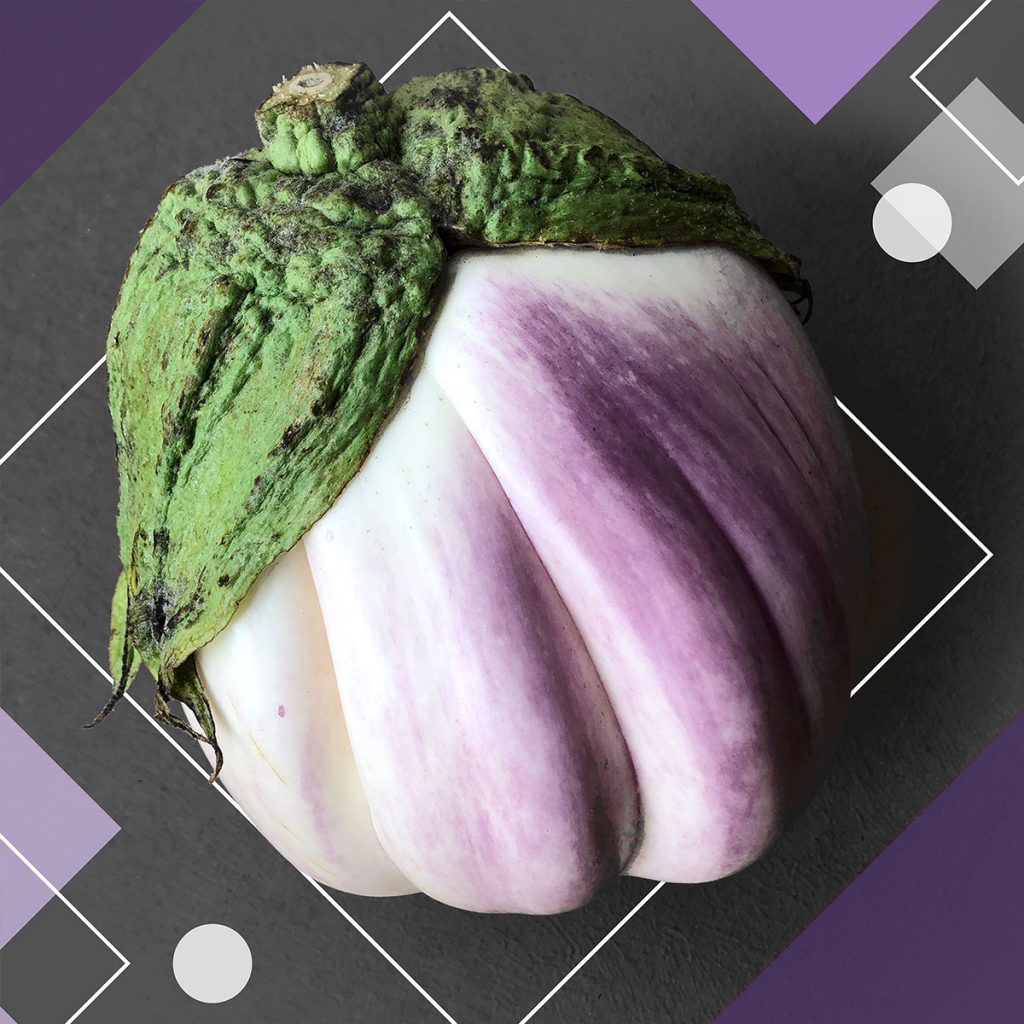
<point x="59" y="61"/>
<point x="48" y="818"/>
<point x="932" y="931"/>
<point x="815" y="51"/>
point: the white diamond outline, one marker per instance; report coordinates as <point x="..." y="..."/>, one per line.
<point x="447" y="16"/>
<point x="125" y="962"/>
<point x="945" y="110"/>
<point x="987" y="555"/>
<point x="205" y="772"/>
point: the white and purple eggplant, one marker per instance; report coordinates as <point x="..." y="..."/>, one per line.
<point x="492" y="579"/>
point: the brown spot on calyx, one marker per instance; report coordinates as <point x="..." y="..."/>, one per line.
<point x="373" y="199"/>
<point x="256" y="495"/>
<point x="289" y="439"/>
<point x="156" y="607"/>
<point x="224" y="580"/>
<point x="476" y="141"/>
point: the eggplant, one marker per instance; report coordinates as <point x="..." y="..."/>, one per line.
<point x="482" y="500"/>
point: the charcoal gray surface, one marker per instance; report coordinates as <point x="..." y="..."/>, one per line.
<point x="928" y="363"/>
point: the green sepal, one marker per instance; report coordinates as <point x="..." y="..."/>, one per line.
<point x="184" y="685"/>
<point x="507" y="165"/>
<point x="124" y="659"/>
<point x="262" y="336"/>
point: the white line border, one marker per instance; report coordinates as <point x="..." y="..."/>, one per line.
<point x="914" y="78"/>
<point x="125" y="962"/>
<point x="987" y="555"/>
<point x="448" y="16"/>
<point x="204" y="771"/>
<point x="572" y="973"/>
<point x="53" y="408"/>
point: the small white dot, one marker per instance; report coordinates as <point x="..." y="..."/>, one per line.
<point x="212" y="963"/>
<point x="912" y="222"/>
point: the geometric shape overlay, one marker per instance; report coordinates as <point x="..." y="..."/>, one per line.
<point x="51" y="820"/>
<point x="995" y="126"/>
<point x="212" y="963"/>
<point x="932" y="931"/>
<point x="59" y="62"/>
<point x="22" y="895"/>
<point x="472" y="938"/>
<point x="815" y="53"/>
<point x="991" y="48"/>
<point x="987" y="206"/>
<point x="52" y="967"/>
<point x="912" y="222"/>
<point x="907" y="528"/>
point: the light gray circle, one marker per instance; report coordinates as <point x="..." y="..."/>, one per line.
<point x="212" y="963"/>
<point x="912" y="222"/>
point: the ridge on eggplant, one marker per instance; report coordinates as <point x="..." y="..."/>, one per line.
<point x="274" y="306"/>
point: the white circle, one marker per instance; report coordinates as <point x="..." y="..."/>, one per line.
<point x="912" y="222"/>
<point x="212" y="963"/>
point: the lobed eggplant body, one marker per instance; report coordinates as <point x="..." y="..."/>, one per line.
<point x="587" y="608"/>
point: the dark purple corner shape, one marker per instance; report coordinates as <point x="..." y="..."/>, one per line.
<point x="932" y="931"/>
<point x="60" y="59"/>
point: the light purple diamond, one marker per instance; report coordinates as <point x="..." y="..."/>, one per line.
<point x="48" y="818"/>
<point x="23" y="895"/>
<point x="815" y="51"/>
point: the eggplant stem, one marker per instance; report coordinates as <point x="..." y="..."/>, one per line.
<point x="166" y="716"/>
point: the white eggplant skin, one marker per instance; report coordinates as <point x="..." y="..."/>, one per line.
<point x="589" y="601"/>
<point x="701" y="526"/>
<point x="287" y="758"/>
<point x="495" y="771"/>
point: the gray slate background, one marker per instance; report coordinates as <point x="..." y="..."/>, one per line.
<point x="932" y="366"/>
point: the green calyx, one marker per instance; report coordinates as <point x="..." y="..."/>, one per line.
<point x="275" y="303"/>
<point x="506" y="165"/>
